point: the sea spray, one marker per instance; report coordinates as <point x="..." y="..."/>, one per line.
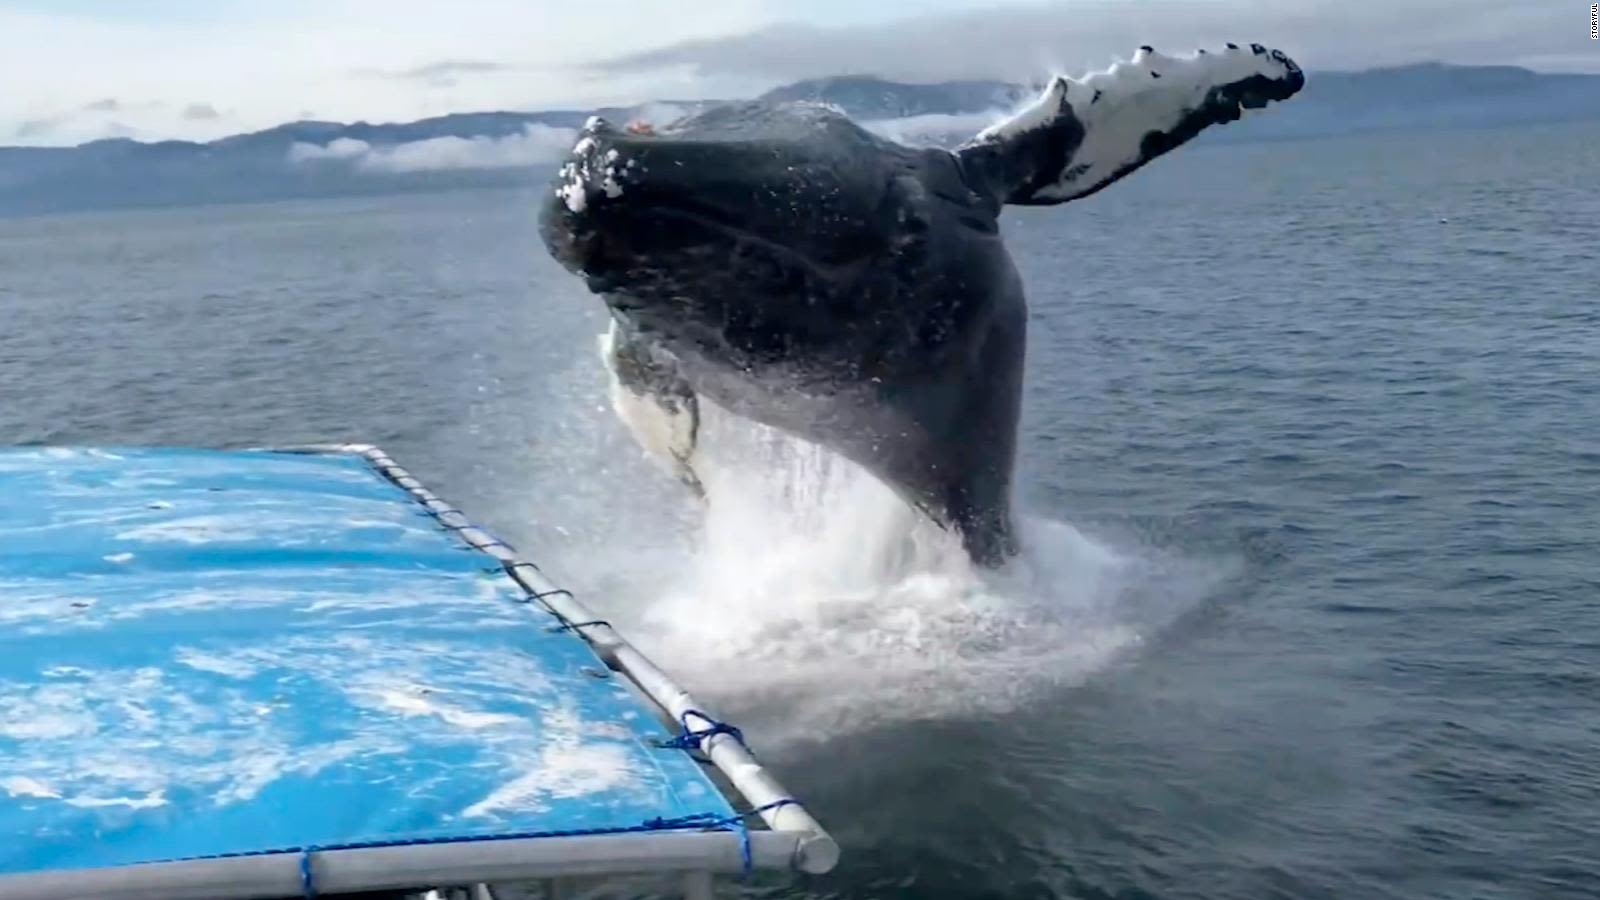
<point x="805" y="598"/>
<point x="820" y="600"/>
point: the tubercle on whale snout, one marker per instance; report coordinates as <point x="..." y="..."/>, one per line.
<point x="611" y="183"/>
<point x="575" y="220"/>
<point x="675" y="226"/>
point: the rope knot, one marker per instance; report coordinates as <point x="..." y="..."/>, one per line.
<point x="690" y="738"/>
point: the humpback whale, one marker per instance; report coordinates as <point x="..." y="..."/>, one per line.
<point x="782" y="262"/>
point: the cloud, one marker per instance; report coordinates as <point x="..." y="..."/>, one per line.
<point x="85" y="127"/>
<point x="262" y="62"/>
<point x="446" y="73"/>
<point x="109" y="104"/>
<point x="401" y="60"/>
<point x="200" y="112"/>
<point x="450" y="68"/>
<point x="537" y="144"/>
<point x="339" y="148"/>
<point x="1020" y="42"/>
<point x="29" y="129"/>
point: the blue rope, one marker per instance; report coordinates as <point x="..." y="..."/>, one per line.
<point x="746" y="855"/>
<point x="308" y="884"/>
<point x="736" y="824"/>
<point x="691" y="738"/>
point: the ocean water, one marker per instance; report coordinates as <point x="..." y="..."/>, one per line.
<point x="1310" y="474"/>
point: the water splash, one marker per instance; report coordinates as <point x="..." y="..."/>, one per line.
<point x="805" y="597"/>
<point x="818" y="599"/>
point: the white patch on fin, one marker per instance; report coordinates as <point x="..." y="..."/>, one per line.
<point x="1119" y="106"/>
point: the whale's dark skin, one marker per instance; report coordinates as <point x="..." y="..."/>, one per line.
<point x="799" y="271"/>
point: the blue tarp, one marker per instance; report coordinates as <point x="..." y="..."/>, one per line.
<point x="207" y="653"/>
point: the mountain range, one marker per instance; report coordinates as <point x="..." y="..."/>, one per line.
<point x="308" y="158"/>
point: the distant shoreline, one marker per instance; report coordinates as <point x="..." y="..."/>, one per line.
<point x="508" y="149"/>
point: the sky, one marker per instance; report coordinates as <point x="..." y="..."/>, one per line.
<point x="77" y="70"/>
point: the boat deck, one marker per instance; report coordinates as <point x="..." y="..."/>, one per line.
<point x="272" y="673"/>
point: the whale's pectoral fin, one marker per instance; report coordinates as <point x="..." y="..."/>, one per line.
<point x="654" y="401"/>
<point x="1083" y="134"/>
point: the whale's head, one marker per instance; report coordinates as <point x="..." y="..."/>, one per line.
<point x="757" y="232"/>
<point x="1081" y="135"/>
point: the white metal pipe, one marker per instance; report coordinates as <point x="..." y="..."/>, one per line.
<point x="697" y="886"/>
<point x="408" y="866"/>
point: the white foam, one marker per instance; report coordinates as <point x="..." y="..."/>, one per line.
<point x="148" y="801"/>
<point x="22" y="786"/>
<point x="569" y="764"/>
<point x="232" y="667"/>
<point x="45" y="723"/>
<point x="192" y="530"/>
<point x="415" y="700"/>
<point x="125" y="738"/>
